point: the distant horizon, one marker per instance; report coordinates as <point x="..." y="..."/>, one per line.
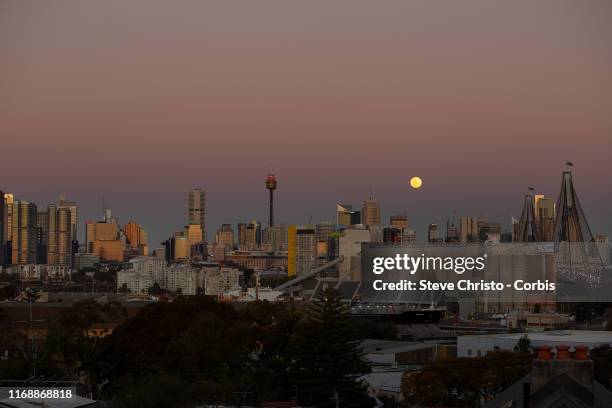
<point x="419" y="226"/>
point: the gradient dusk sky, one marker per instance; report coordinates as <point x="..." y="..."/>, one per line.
<point x="141" y="100"/>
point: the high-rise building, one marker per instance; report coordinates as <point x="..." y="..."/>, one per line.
<point x="104" y="240"/>
<point x="253" y="235"/>
<point x="273" y="238"/>
<point x="345" y="215"/>
<point x="433" y="235"/>
<point x="193" y="233"/>
<point x="225" y="237"/>
<point x="468" y="229"/>
<point x="241" y="235"/>
<point x="8" y="217"/>
<point x="326" y="241"/>
<point x="291" y="248"/>
<point x="370" y="213"/>
<point x="452" y="234"/>
<point x="545" y="217"/>
<point x="197" y="209"/>
<point x="42" y="236"/>
<point x="181" y="248"/>
<point x="398" y="221"/>
<point x="64" y="231"/>
<point x="301" y="249"/>
<point x="2" y="229"/>
<point x="74" y="218"/>
<point x="136" y="237"/>
<point x="24" y="233"/>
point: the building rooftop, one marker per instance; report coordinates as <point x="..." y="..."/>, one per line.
<point x="556" y="336"/>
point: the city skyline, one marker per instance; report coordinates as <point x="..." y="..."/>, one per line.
<point x="421" y="226"/>
<point x="218" y="96"/>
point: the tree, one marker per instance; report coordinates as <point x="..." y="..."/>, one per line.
<point x="327" y="363"/>
<point x="523" y="345"/>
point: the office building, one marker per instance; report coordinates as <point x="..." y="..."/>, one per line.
<point x="42" y="236"/>
<point x="252" y="236"/>
<point x="2" y="229"/>
<point x="452" y="233"/>
<point x="74" y="219"/>
<point x="301" y="249"/>
<point x="225" y="236"/>
<point x="104" y="240"/>
<point x="241" y="228"/>
<point x="305" y="249"/>
<point x="545" y="217"/>
<point x="56" y="235"/>
<point x="398" y="221"/>
<point x="8" y="227"/>
<point x="136" y="237"/>
<point x="370" y="213"/>
<point x="346" y="216"/>
<point x="350" y="251"/>
<point x="197" y="210"/>
<point x="24" y="233"/>
<point x="181" y="249"/>
<point x="468" y="229"/>
<point x="274" y="238"/>
<point x="433" y="235"/>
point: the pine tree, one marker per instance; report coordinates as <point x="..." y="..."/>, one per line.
<point x="327" y="363"/>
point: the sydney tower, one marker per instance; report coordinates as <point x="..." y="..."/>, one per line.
<point x="271" y="185"/>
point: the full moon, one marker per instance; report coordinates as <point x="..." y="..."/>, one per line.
<point x="416" y="182"/>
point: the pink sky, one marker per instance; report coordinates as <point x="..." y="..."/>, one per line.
<point x="142" y="100"/>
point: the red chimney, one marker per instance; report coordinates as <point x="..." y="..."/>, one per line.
<point x="544" y="353"/>
<point x="581" y="353"/>
<point x="563" y="352"/>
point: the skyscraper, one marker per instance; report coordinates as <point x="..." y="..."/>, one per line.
<point x="253" y="235"/>
<point x="57" y="235"/>
<point x="24" y="232"/>
<point x="301" y="249"/>
<point x="74" y="219"/>
<point x="197" y="209"/>
<point x="370" y="213"/>
<point x="2" y="229"/>
<point x="8" y="217"/>
<point x="433" y="235"/>
<point x="468" y="229"/>
<point x="225" y="237"/>
<point x="545" y="217"/>
<point x="104" y="239"/>
<point x="42" y="236"/>
<point x="241" y="235"/>
<point x="452" y="235"/>
<point x="64" y="232"/>
<point x="136" y="237"/>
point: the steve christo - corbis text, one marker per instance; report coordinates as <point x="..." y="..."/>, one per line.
<point x="459" y="265"/>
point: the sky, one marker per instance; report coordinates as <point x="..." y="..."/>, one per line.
<point x="139" y="101"/>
